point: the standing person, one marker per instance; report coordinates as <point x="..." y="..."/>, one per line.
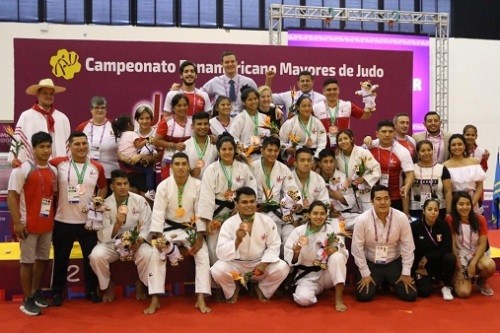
<point x="199" y="148"/>
<point x="267" y="107"/>
<point x="230" y="83"/>
<point x="102" y="141"/>
<point x="473" y="150"/>
<point x="172" y="132"/>
<point x="249" y="244"/>
<point x="127" y="211"/>
<point x="174" y="213"/>
<point x="342" y="198"/>
<point x="470" y="237"/>
<point x="78" y="179"/>
<point x="221" y="116"/>
<point x="42" y="116"/>
<point x="131" y="151"/>
<point x="32" y="188"/>
<point x="466" y="172"/>
<point x="198" y="99"/>
<point x="312" y="244"/>
<point x="434" y="259"/>
<point x="288" y="99"/>
<point x="396" y="166"/>
<point x="246" y="127"/>
<point x="274" y="180"/>
<point x="306" y="127"/>
<point x="334" y="113"/>
<point x="360" y="167"/>
<point x="433" y="133"/>
<point x="311" y="186"/>
<point x="382" y="247"/>
<point x="220" y="181"/>
<point x="432" y="181"/>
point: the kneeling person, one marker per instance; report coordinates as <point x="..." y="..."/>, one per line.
<point x="127" y="211"/>
<point x="249" y="244"/>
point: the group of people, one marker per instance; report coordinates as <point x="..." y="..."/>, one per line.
<point x="258" y="188"/>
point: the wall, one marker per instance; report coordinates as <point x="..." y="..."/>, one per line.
<point x="474" y="71"/>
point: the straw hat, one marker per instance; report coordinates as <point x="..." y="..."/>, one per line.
<point x="45" y="83"/>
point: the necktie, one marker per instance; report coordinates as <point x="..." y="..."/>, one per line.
<point x="232" y="91"/>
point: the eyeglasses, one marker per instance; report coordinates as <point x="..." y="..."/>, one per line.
<point x="100" y="107"/>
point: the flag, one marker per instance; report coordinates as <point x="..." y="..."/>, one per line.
<point x="496" y="194"/>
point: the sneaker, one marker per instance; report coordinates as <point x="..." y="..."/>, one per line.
<point x="151" y="194"/>
<point x="446" y="291"/>
<point x="484" y="288"/>
<point x="30" y="308"/>
<point x="57" y="300"/>
<point x="40" y="300"/>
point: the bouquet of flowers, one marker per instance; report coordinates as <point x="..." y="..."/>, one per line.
<point x="326" y="248"/>
<point x="124" y="244"/>
<point x="16" y="145"/>
<point x="219" y="219"/>
<point x="293" y="141"/>
<point x="269" y="202"/>
<point x="191" y="233"/>
<point x="360" y="170"/>
<point x="293" y="110"/>
<point x="271" y="126"/>
<point x="243" y="278"/>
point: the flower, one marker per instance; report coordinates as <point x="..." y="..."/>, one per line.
<point x="16" y="145"/>
<point x="294" y="139"/>
<point x="269" y="202"/>
<point x="191" y="231"/>
<point x="270" y="125"/>
<point x="243" y="278"/>
<point x="124" y="245"/>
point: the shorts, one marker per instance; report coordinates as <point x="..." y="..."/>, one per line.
<point x="35" y="247"/>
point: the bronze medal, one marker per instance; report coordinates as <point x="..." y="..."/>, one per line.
<point x="80" y="189"/>
<point x="123" y="209"/>
<point x="229" y="195"/>
<point x="200" y="163"/>
<point x="333" y="130"/>
<point x="309" y="142"/>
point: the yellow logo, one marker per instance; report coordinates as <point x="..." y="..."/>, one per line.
<point x="65" y="64"/>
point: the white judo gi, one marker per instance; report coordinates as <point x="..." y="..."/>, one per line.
<point x="281" y="180"/>
<point x="213" y="187"/>
<point x="208" y="157"/>
<point x="164" y="208"/>
<point x="261" y="245"/>
<point x="104" y="253"/>
<point x="314" y="283"/>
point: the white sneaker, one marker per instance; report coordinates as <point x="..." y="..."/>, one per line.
<point x="446" y="291"/>
<point x="151" y="194"/>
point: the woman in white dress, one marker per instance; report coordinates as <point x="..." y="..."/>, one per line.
<point x="466" y="172"/>
<point x="360" y="167"/>
<point x="318" y="252"/>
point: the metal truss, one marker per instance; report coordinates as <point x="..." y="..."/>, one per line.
<point x="440" y="20"/>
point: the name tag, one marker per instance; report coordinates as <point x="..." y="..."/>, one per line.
<point x="424" y="196"/>
<point x="95" y="152"/>
<point x="384" y="180"/>
<point x="381" y="254"/>
<point x="45" y="207"/>
<point x="73" y="196"/>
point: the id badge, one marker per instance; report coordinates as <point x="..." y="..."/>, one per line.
<point x="381" y="254"/>
<point x="73" y="196"/>
<point x="45" y="207"/>
<point x="95" y="152"/>
<point x="384" y="180"/>
<point x="425" y="196"/>
<point x="333" y="139"/>
<point x="167" y="157"/>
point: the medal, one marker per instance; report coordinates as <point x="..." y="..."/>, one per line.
<point x="303" y="240"/>
<point x="245" y="226"/>
<point x="306" y="203"/>
<point x="333" y="130"/>
<point x="80" y="189"/>
<point x="200" y="163"/>
<point x="229" y="195"/>
<point x="123" y="209"/>
<point x="309" y="142"/>
<point x="179" y="212"/>
<point x="255" y="140"/>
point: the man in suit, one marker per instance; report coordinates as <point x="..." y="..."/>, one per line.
<point x="439" y="138"/>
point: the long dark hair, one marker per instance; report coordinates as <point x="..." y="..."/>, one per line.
<point x="460" y="137"/>
<point x="120" y="125"/>
<point x="457" y="225"/>
<point x="315" y="204"/>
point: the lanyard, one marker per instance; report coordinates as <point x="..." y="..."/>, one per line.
<point x="180" y="194"/>
<point x="388" y="162"/>
<point x="429" y="233"/>
<point x="200" y="152"/>
<point x="433" y="138"/>
<point x="388" y="230"/>
<point x="346" y="164"/>
<point x="79" y="175"/>
<point x="307" y="128"/>
<point x="227" y="174"/>
<point x="92" y="133"/>
<point x="255" y="120"/>
<point x="267" y="175"/>
<point x="333" y="117"/>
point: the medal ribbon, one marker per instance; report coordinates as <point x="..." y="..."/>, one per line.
<point x="227" y="174"/>
<point x="180" y="193"/>
<point x="255" y="120"/>
<point x="333" y="117"/>
<point x="267" y="175"/>
<point x="200" y="152"/>
<point x="307" y="128"/>
<point x="79" y="175"/>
